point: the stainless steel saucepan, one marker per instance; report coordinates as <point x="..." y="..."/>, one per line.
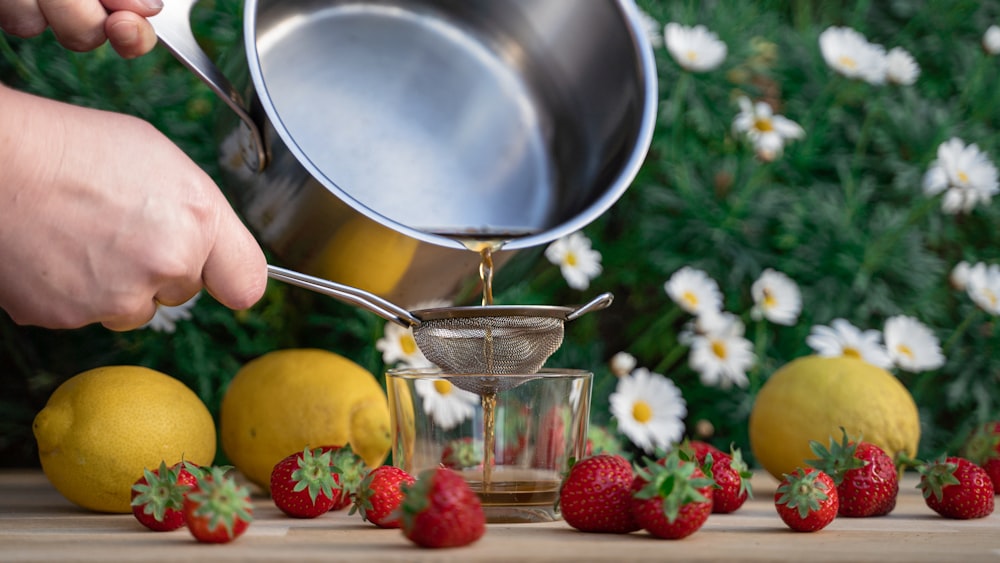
<point x="371" y="141"/>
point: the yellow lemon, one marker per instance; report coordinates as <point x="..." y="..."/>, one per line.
<point x="102" y="427"/>
<point x="811" y="398"/>
<point x="286" y="400"/>
<point x="366" y="255"/>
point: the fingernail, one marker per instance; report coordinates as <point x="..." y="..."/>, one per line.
<point x="153" y="4"/>
<point x="125" y="33"/>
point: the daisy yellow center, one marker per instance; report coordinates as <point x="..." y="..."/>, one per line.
<point x="691" y="55"/>
<point x="408" y="344"/>
<point x="763" y="124"/>
<point x="690" y="298"/>
<point x="642" y="412"/>
<point x="442" y="387"/>
<point x="963" y="177"/>
<point x="905" y="350"/>
<point x="570" y="259"/>
<point x="851" y="352"/>
<point x="848" y="62"/>
<point x="990" y="297"/>
<point x="719" y="349"/>
<point x="769" y="300"/>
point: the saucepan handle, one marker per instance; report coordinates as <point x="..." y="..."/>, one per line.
<point x="173" y="28"/>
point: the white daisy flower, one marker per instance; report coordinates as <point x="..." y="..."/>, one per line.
<point x="399" y="347"/>
<point x="622" y="364"/>
<point x="776" y="298"/>
<point x="652" y="29"/>
<point x="694" y="291"/>
<point x="767" y="131"/>
<point x="578" y="262"/>
<point x="847" y="51"/>
<point x="447" y="405"/>
<point x="959" y="276"/>
<point x="695" y="48"/>
<point x="900" y="68"/>
<point x="650" y="410"/>
<point x="983" y="287"/>
<point x="165" y="319"/>
<point x="844" y="339"/>
<point x="721" y="355"/>
<point x="964" y="174"/>
<point x="911" y="345"/>
<point x="991" y="40"/>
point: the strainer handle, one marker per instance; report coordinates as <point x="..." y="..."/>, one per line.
<point x="352" y="295"/>
<point x="602" y="301"/>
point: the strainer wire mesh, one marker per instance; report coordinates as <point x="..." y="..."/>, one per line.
<point x="490" y="345"/>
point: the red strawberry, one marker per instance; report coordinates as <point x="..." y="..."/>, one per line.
<point x="732" y="481"/>
<point x="158" y="496"/>
<point x="671" y="498"/>
<point x="983" y="449"/>
<point x="441" y="510"/>
<point x="595" y="495"/>
<point x="550" y="441"/>
<point x="348" y="471"/>
<point x="462" y="453"/>
<point x="954" y="487"/>
<point x="217" y="509"/>
<point x="700" y="449"/>
<point x="866" y="477"/>
<point x="380" y="494"/>
<point x="303" y="485"/>
<point x="806" y="500"/>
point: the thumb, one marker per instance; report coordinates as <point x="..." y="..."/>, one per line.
<point x="235" y="272"/>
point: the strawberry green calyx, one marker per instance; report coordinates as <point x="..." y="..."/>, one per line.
<point x="935" y="476"/>
<point x="673" y="481"/>
<point x="313" y="473"/>
<point x="463" y="453"/>
<point x="739" y="465"/>
<point x="160" y="492"/>
<point x="838" y="459"/>
<point x="350" y="470"/>
<point x="416" y="498"/>
<point x="983" y="445"/>
<point x="802" y="492"/>
<point x="221" y="500"/>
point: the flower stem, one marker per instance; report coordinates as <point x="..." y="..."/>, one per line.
<point x="876" y="252"/>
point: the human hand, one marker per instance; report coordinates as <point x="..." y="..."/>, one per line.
<point x="84" y="25"/>
<point x="102" y="217"/>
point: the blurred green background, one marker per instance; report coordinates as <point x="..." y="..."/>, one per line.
<point x="841" y="212"/>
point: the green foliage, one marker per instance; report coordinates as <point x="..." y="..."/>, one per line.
<point x="841" y="212"/>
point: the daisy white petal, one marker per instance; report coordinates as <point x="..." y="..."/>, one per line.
<point x="695" y="48"/>
<point x="165" y="318"/>
<point x="911" y="345"/>
<point x="984" y="287"/>
<point x="399" y="347"/>
<point x="578" y="262"/>
<point x="694" y="291"/>
<point x="959" y="276"/>
<point x="964" y="174"/>
<point x="991" y="40"/>
<point x="900" y="68"/>
<point x="652" y="28"/>
<point x="622" y="364"/>
<point x="842" y="338"/>
<point x="847" y="51"/>
<point x="766" y="131"/>
<point x="776" y="298"/>
<point x="447" y="405"/>
<point x="722" y="355"/>
<point x="649" y="409"/>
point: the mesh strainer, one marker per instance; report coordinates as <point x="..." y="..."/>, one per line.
<point x="492" y="347"/>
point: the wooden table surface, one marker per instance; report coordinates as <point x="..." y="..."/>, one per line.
<point x="38" y="524"/>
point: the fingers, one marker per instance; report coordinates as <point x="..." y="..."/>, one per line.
<point x="83" y="25"/>
<point x="78" y="25"/>
<point x="133" y="319"/>
<point x="22" y="18"/>
<point x="130" y="34"/>
<point x="235" y="272"/>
